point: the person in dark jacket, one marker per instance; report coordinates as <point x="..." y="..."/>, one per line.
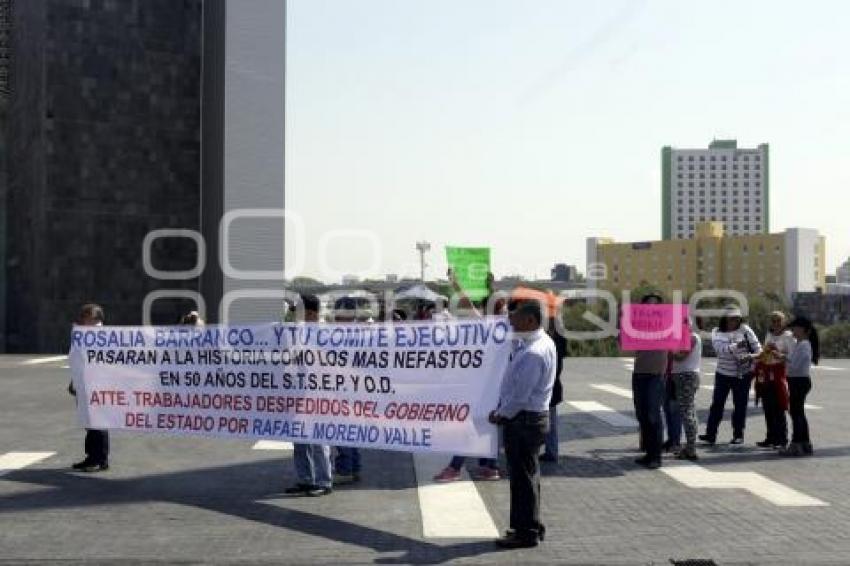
<point x="551" y="444"/>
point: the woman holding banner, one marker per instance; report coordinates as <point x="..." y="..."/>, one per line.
<point x="97" y="441"/>
<point x="488" y="468"/>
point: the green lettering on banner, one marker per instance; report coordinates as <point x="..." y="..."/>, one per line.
<point x="471" y="267"/>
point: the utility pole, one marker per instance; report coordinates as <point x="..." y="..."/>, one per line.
<point x="422" y="247"/>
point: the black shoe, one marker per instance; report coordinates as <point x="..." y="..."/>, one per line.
<point x="765" y="444"/>
<point x="513" y="542"/>
<point x="81" y="465"/>
<point x="510" y="533"/>
<point x="674" y="449"/>
<point x="686" y="454"/>
<point x="737" y="440"/>
<point x="317" y="491"/>
<point x="649" y="462"/>
<point x="92" y="467"/>
<point x="298" y="489"/>
<point x="710" y="440"/>
<point x="808" y="450"/>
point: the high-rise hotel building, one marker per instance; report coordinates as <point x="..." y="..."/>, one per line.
<point x="723" y="183"/>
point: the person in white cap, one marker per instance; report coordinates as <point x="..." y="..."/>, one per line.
<point x="736" y="346"/>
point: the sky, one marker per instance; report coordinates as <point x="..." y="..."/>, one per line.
<point x="530" y="126"/>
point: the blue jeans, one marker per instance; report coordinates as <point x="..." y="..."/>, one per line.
<point x="313" y="464"/>
<point x="347" y="460"/>
<point x="648" y="392"/>
<point x="672" y="417"/>
<point x="551" y="441"/>
<point x="740" y="388"/>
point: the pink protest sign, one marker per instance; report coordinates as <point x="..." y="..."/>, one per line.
<point x="655" y="327"/>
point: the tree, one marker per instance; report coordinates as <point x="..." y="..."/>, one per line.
<point x="835" y="341"/>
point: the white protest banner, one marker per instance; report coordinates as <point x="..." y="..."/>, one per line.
<point x="416" y="387"/>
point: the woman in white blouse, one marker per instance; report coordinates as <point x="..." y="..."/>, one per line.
<point x="771" y="381"/>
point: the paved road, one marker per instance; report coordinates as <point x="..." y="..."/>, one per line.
<point x="199" y="501"/>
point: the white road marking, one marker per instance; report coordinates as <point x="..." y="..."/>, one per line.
<point x="272" y="445"/>
<point x="453" y="509"/>
<point x="11" y="461"/>
<point x="828" y="368"/>
<point x="47" y="360"/>
<point x="616" y="390"/>
<point x="774" y="492"/>
<point x="603" y="413"/>
<point x="753" y="396"/>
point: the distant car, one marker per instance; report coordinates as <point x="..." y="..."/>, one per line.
<point x="360" y="307"/>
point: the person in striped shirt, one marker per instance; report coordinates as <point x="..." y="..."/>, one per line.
<point x="736" y="346"/>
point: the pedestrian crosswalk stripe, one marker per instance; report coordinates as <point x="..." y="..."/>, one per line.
<point x="604" y="413"/>
<point x="11" y="461"/>
<point x="47" y="360"/>
<point x="450" y="510"/>
<point x="697" y="477"/>
<point x="616" y="390"/>
<point x="272" y="445"/>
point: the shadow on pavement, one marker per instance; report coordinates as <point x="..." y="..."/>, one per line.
<point x="579" y="467"/>
<point x="722" y="456"/>
<point x="235" y="490"/>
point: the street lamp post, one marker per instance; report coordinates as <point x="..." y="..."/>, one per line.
<point x="422" y="247"/>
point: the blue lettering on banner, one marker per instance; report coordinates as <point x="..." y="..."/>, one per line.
<point x="351" y="433"/>
<point x="279" y="428"/>
<point x="412" y="437"/>
<point x="107" y="338"/>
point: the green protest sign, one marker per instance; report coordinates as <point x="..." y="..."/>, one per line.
<point x="471" y="267"/>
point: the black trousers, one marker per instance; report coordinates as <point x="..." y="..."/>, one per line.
<point x="97" y="446"/>
<point x="648" y="395"/>
<point x="524" y="435"/>
<point x="799" y="388"/>
<point x="740" y="388"/>
<point x="774" y="416"/>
